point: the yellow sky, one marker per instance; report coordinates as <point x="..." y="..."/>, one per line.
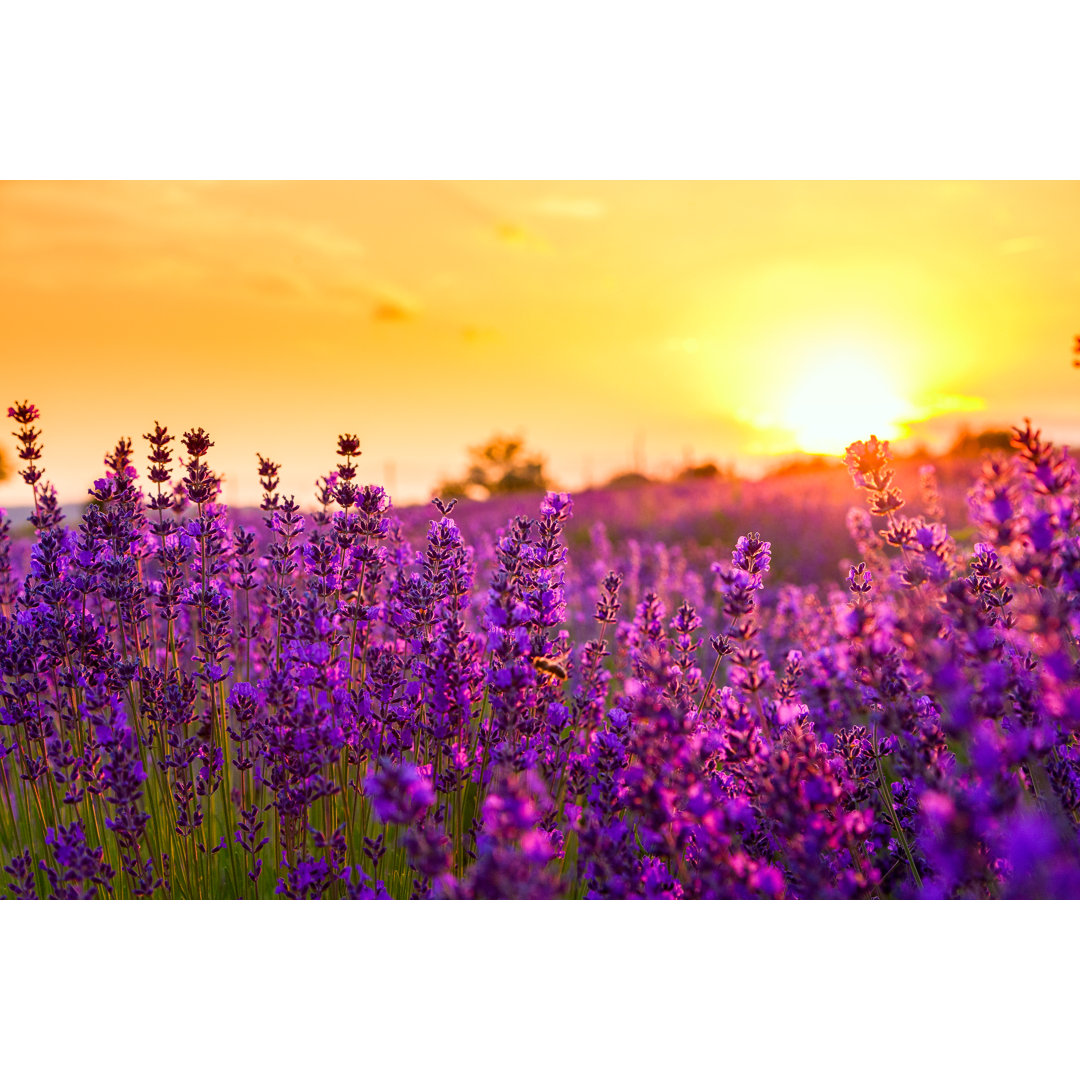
<point x="603" y="321"/>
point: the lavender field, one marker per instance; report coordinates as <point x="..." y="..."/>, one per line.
<point x="856" y="690"/>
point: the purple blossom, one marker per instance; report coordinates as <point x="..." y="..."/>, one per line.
<point x="398" y="793"/>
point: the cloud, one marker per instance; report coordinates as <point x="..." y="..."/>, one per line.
<point x="956" y="403"/>
<point x="388" y="309"/>
<point x="510" y="233"/>
<point x="135" y="233"/>
<point x="514" y="235"/>
<point x="952" y="414"/>
<point x="276" y="286"/>
<point x="930" y="410"/>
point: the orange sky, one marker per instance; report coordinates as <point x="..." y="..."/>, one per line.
<point x="609" y="323"/>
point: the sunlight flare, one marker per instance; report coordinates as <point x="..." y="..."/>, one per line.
<point x="843" y="398"/>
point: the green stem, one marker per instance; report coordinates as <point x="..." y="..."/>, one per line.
<point x="886" y="797"/>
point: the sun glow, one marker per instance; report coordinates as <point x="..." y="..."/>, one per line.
<point x="843" y="398"/>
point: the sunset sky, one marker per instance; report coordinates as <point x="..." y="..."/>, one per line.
<point x="612" y="324"/>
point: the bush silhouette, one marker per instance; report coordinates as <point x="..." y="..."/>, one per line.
<point x="502" y="466"/>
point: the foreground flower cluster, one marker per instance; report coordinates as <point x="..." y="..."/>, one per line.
<point x="196" y="705"/>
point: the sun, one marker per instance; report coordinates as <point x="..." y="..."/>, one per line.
<point x="839" y="399"/>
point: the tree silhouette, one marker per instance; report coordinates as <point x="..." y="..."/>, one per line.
<point x="502" y="466"/>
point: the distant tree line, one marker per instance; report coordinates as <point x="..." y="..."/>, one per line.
<point x="505" y="466"/>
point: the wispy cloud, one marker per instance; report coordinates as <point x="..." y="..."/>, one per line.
<point x="513" y="234"/>
<point x="277" y="286"/>
<point x="389" y="309"/>
<point x="145" y="234"/>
